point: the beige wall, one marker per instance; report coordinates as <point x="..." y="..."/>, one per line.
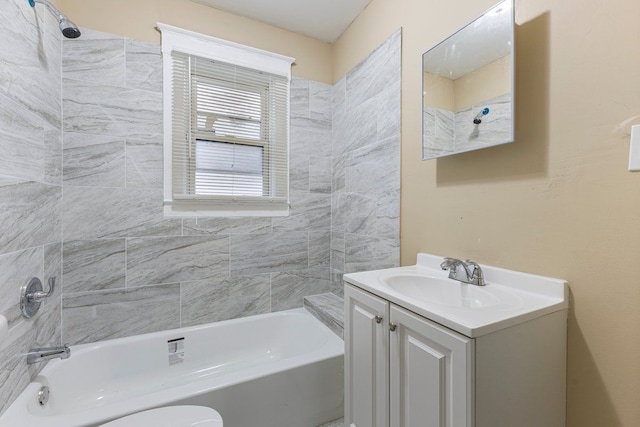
<point x="488" y="82"/>
<point x="559" y="201"/>
<point x="137" y="19"/>
<point x="438" y="92"/>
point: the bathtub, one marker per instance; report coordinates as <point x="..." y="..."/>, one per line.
<point x="282" y="369"/>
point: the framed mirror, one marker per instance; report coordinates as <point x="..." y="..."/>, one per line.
<point x="468" y="86"/>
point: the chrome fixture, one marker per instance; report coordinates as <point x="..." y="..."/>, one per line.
<point x="469" y="273"/>
<point x="478" y="118"/>
<point x="36" y="355"/>
<point x="32" y="295"/>
<point x="68" y="28"/>
<point x="43" y="395"/>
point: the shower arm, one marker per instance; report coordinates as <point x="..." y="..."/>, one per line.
<point x="68" y="28"/>
<point x="51" y="7"/>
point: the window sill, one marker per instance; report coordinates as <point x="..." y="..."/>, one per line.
<point x="171" y="210"/>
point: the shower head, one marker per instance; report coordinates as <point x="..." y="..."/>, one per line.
<point x="68" y="28"/>
<point x="478" y="118"/>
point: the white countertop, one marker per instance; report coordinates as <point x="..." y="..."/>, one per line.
<point x="528" y="296"/>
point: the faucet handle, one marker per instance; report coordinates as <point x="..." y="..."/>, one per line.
<point x="39" y="296"/>
<point x="32" y="295"/>
<point x="477" y="277"/>
<point x="448" y="263"/>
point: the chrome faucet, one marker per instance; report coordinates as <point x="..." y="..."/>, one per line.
<point x="469" y="273"/>
<point x="36" y="355"/>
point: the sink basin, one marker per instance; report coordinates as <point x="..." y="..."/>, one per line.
<point x="450" y="293"/>
<point x="509" y="298"/>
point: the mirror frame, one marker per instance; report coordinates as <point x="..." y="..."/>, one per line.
<point x="511" y="136"/>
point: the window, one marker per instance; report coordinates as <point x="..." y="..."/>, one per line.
<point x="223" y="168"/>
<point x="226" y="127"/>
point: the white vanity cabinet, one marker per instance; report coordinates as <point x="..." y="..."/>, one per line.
<point x="431" y="373"/>
<point x="404" y="370"/>
<point x="366" y="358"/>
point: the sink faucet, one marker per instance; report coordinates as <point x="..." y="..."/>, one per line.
<point x="469" y="273"/>
<point x="36" y="355"/>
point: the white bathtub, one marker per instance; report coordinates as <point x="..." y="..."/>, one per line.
<point x="282" y="369"/>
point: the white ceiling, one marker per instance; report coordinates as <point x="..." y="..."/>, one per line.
<point x="482" y="41"/>
<point x="324" y="20"/>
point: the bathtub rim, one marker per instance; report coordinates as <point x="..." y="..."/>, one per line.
<point x="18" y="412"/>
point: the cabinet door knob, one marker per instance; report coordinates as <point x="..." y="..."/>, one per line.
<point x="378" y="319"/>
<point x="392" y="327"/>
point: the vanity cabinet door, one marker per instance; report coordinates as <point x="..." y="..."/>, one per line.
<point x="366" y="337"/>
<point x="431" y="373"/>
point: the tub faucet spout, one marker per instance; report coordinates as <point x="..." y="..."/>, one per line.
<point x="36" y="355"/>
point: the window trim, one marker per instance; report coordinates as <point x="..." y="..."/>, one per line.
<point x="192" y="43"/>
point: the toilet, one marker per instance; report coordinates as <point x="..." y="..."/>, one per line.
<point x="171" y="416"/>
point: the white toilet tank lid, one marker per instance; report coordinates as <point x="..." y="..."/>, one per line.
<point x="171" y="416"/>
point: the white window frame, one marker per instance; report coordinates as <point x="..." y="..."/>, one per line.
<point x="192" y="43"/>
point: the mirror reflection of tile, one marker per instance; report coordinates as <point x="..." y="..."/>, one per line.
<point x="449" y="132"/>
<point x="468" y="86"/>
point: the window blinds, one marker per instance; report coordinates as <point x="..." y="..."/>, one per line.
<point x="229" y="136"/>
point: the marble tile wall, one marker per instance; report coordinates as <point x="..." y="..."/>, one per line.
<point x="81" y="195"/>
<point x="494" y="129"/>
<point x="439" y="133"/>
<point x="448" y="132"/>
<point x="365" y="155"/>
<point x="128" y="269"/>
<point x="30" y="184"/>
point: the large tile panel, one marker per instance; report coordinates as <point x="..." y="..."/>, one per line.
<point x="95" y="316"/>
<point x="299" y="97"/>
<point x="16" y="269"/>
<point x="53" y="156"/>
<point x="288" y="289"/>
<point x="310" y="137"/>
<point x="376" y="72"/>
<point x="31" y="49"/>
<point x="94" y="57"/>
<point x="269" y="253"/>
<point x="365" y="197"/>
<point x="91" y="265"/>
<point x="115" y="212"/>
<point x="155" y="260"/>
<point x="111" y="110"/>
<point x="320" y="174"/>
<point x="21" y="142"/>
<point x="309" y="212"/>
<point x="370" y="253"/>
<point x="15" y="374"/>
<point x="30" y="214"/>
<point x="320" y="97"/>
<point x="374" y="168"/>
<point x="30" y="178"/>
<point x="222" y="298"/>
<point x="93" y="160"/>
<point x="48" y="322"/>
<point x="144" y="163"/>
<point x="319" y="250"/>
<point x="226" y="226"/>
<point x="143" y="66"/>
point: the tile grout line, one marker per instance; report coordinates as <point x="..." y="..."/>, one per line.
<point x="62" y="138"/>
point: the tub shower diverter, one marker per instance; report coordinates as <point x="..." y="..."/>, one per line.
<point x="283" y="368"/>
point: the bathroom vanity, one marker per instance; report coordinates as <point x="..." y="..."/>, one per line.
<point x="424" y="350"/>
